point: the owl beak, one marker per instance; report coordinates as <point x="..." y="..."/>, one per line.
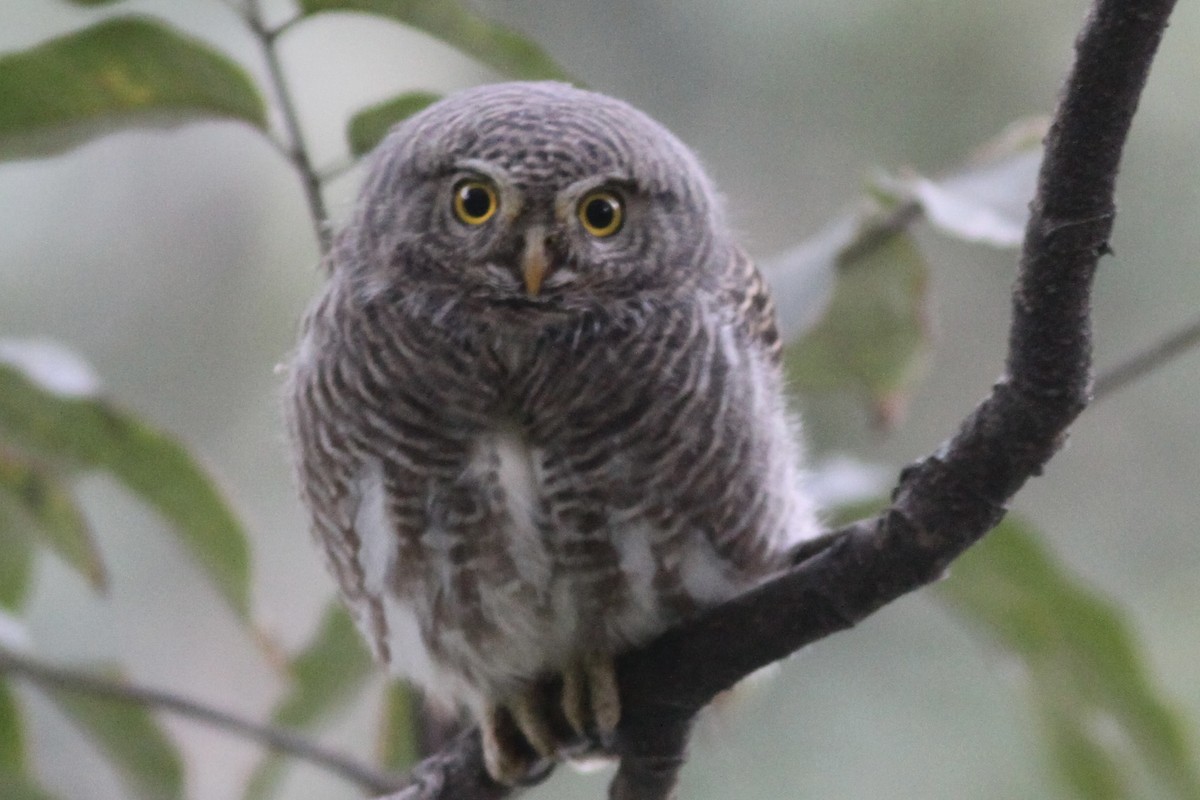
<point x="535" y="262"/>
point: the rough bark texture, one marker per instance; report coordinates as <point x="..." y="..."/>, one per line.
<point x="945" y="502"/>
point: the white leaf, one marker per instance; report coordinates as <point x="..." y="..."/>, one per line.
<point x="14" y="636"/>
<point x="802" y="279"/>
<point x="987" y="204"/>
<point x="51" y="366"/>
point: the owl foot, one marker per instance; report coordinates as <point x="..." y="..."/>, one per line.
<point x="528" y="730"/>
<point x="591" y="701"/>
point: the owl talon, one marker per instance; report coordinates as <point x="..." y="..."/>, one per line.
<point x="506" y="750"/>
<point x="591" y="702"/>
<point x="531" y="720"/>
<point x="523" y="733"/>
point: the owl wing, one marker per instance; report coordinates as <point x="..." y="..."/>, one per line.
<point x="747" y="293"/>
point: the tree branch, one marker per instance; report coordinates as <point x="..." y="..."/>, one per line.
<point x="1145" y="362"/>
<point x="68" y="680"/>
<point x="942" y="504"/>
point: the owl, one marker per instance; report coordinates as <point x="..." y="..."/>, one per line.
<point x="537" y="410"/>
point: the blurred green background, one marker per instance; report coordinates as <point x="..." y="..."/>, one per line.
<point x="177" y="261"/>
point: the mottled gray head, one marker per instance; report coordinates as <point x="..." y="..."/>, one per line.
<point x="534" y="194"/>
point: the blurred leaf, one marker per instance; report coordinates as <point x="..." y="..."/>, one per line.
<point x="73" y="88"/>
<point x="451" y="21"/>
<point x="131" y="739"/>
<point x="16" y="564"/>
<point x="368" y="127"/>
<point x="986" y="201"/>
<point x="89" y="431"/>
<point x="397" y="727"/>
<point x="1083" y="762"/>
<point x="93" y="2"/>
<point x="15" y="781"/>
<point x="18" y="786"/>
<point x="14" y="634"/>
<point x="264" y="781"/>
<point x="54" y="515"/>
<point x="326" y="675"/>
<point x="802" y="279"/>
<point x="988" y="204"/>
<point x="873" y="335"/>
<point x="1089" y="684"/>
<point x="12" y="734"/>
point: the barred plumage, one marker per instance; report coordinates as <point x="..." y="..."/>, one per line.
<point x="514" y="475"/>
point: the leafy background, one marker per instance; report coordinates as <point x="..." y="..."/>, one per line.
<point x="175" y="256"/>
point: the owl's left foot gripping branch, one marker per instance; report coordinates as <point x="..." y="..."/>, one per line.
<point x="548" y="721"/>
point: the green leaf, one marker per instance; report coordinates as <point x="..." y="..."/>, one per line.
<point x="70" y="89"/>
<point x="130" y="737"/>
<point x="368" y="127"/>
<point x="12" y="734"/>
<point x="326" y="675"/>
<point x="16" y="564"/>
<point x="15" y="781"/>
<point x="264" y="781"/>
<point x="1101" y="713"/>
<point x="53" y="423"/>
<point x="18" y="786"/>
<point x="397" y="727"/>
<point x="451" y="21"/>
<point x="40" y="497"/>
<point x="873" y="336"/>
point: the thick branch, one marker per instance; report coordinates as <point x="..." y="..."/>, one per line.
<point x="943" y="503"/>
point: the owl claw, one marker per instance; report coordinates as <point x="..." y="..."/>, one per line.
<point x="521" y="734"/>
<point x="505" y="755"/>
<point x="591" y="702"/>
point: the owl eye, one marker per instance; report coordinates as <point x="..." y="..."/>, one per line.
<point x="601" y="213"/>
<point x="474" y="201"/>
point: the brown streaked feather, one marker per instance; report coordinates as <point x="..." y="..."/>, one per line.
<point x="748" y="293"/>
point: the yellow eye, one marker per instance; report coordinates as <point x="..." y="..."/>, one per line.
<point x="475" y="202"/>
<point x="601" y="213"/>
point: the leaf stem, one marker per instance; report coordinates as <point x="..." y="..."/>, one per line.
<point x="295" y="150"/>
<point x="54" y="678"/>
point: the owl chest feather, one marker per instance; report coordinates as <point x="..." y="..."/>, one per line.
<point x="530" y="498"/>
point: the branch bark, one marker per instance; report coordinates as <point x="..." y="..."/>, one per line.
<point x="943" y="503"/>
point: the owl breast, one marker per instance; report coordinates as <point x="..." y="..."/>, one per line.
<point x="493" y="507"/>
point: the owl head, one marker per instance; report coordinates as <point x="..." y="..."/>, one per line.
<point x="533" y="196"/>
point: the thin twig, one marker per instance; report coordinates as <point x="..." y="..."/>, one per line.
<point x="296" y="152"/>
<point x="1150" y="359"/>
<point x="57" y="678"/>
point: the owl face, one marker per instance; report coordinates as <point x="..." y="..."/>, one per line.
<point x="536" y="195"/>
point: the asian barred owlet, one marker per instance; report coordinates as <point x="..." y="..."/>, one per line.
<point x="537" y="409"/>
